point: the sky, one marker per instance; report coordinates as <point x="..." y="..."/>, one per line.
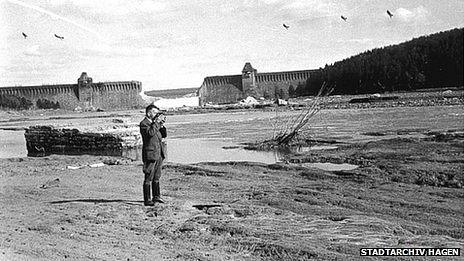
<point x="176" y="43"/>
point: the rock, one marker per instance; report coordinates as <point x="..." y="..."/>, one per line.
<point x="118" y="121"/>
<point x="51" y="184"/>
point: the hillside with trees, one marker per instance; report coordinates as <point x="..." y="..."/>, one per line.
<point x="433" y="61"/>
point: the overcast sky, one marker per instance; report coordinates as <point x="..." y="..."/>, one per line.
<point x="176" y="43"/>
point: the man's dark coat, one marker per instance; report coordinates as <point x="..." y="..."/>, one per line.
<point x="153" y="149"/>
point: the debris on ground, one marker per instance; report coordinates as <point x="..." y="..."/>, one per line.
<point x="51" y="184"/>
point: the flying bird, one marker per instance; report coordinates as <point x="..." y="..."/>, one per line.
<point x="25" y="35"/>
<point x="286" y="26"/>
<point x="344" y="18"/>
<point x="59" y="37"/>
<point x="389" y="14"/>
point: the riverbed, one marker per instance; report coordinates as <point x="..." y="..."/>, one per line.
<point x="406" y="191"/>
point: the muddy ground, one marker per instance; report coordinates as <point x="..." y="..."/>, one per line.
<point x="407" y="192"/>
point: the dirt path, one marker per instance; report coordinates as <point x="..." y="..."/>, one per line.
<point x="236" y="211"/>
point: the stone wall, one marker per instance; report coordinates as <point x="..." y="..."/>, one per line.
<point x="114" y="95"/>
<point x="46" y="140"/>
<point x="232" y="88"/>
<point x="221" y="89"/>
<point x="271" y="84"/>
<point x="65" y="94"/>
<point x="104" y="95"/>
<point x="221" y="94"/>
<point x="270" y="89"/>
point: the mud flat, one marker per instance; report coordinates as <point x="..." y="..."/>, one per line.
<point x="405" y="193"/>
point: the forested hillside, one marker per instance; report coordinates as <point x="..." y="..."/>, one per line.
<point x="432" y="61"/>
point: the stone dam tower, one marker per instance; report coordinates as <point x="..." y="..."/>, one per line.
<point x="85" y="94"/>
<point x="232" y="88"/>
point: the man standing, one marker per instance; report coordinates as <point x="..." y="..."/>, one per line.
<point x="152" y="154"/>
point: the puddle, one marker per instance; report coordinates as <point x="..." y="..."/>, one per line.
<point x="331" y="166"/>
<point x="206" y="206"/>
<point x="303" y="149"/>
<point x="306" y="149"/>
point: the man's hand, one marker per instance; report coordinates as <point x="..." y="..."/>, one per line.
<point x="160" y="118"/>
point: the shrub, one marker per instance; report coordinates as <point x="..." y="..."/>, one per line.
<point x="46" y="104"/>
<point x="14" y="102"/>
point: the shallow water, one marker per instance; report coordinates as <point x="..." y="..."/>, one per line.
<point x="214" y="150"/>
<point x="316" y="147"/>
<point x="185" y="151"/>
<point x="331" y="166"/>
<point x="12" y="144"/>
<point x="203" y="137"/>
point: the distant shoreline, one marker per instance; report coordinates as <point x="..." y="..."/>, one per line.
<point x="445" y="97"/>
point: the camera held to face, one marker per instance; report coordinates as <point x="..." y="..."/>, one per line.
<point x="160" y="117"/>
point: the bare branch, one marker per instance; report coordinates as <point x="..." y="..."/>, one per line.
<point x="296" y="125"/>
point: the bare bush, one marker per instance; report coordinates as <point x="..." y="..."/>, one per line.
<point x="287" y="130"/>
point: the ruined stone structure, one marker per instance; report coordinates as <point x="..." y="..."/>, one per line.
<point x="233" y="88"/>
<point x="84" y="94"/>
<point x="46" y="140"/>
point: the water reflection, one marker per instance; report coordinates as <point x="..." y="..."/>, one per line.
<point x="12" y="144"/>
<point x="188" y="151"/>
<point x="302" y="149"/>
<point x="185" y="151"/>
<point x="331" y="166"/>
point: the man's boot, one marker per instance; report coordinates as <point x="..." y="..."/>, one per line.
<point x="146" y="196"/>
<point x="155" y="186"/>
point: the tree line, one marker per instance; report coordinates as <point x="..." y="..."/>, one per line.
<point x="8" y="101"/>
<point x="433" y="61"/>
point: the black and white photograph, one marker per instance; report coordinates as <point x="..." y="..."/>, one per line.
<point x="231" y="130"/>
